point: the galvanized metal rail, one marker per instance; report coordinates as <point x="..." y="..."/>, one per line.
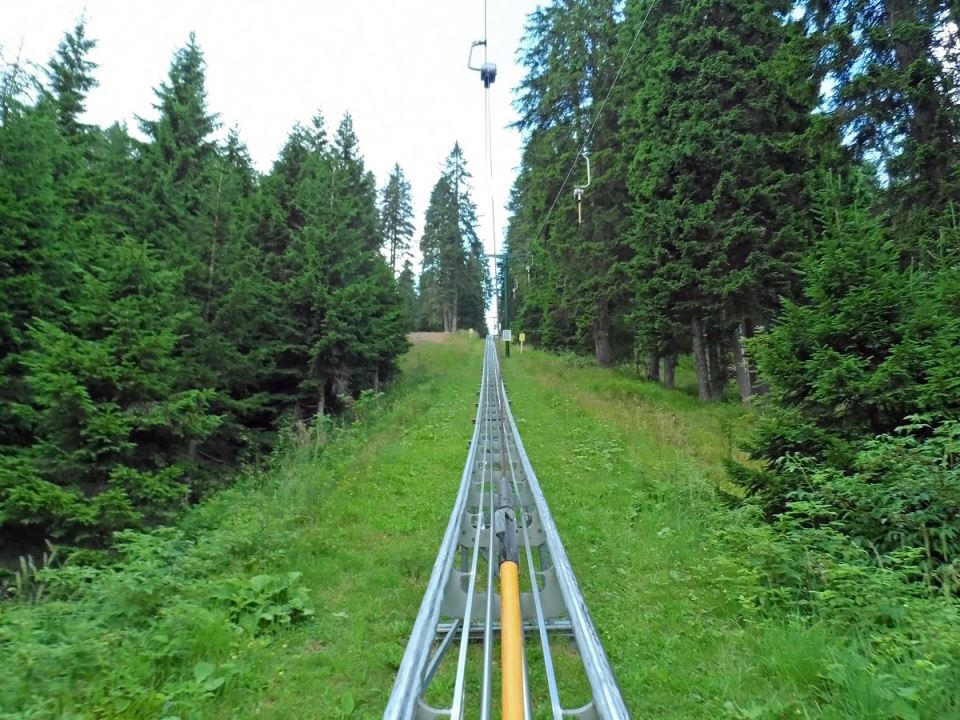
<point x="448" y="668"/>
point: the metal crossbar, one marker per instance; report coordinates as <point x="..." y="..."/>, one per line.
<point x="500" y="517"/>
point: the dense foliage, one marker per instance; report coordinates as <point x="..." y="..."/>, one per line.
<point x="164" y="308"/>
<point x="790" y="178"/>
<point x="694" y="218"/>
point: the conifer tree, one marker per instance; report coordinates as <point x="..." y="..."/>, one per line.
<point x="475" y="285"/>
<point x="407" y="287"/>
<point x="34" y="274"/>
<point x="286" y="310"/>
<point x="396" y="216"/>
<point x="179" y="167"/>
<point x="338" y="323"/>
<point x="895" y="76"/>
<point x="162" y="306"/>
<point x="571" y="56"/>
<point x="454" y="281"/>
<point x="360" y="323"/>
<point x="871" y="344"/>
<point x="110" y="410"/>
<point x="70" y="78"/>
<point x="539" y="308"/>
<point x="719" y="175"/>
<point x="198" y="215"/>
<point x="443" y="259"/>
<point x="115" y="416"/>
<point x="235" y="303"/>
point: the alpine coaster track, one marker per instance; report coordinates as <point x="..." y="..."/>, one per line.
<point x="480" y="596"/>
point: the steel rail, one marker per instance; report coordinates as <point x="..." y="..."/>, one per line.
<point x="499" y="506"/>
<point x="555" y="704"/>
<point x="409" y="683"/>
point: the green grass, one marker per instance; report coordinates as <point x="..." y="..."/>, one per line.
<point x="187" y="627"/>
<point x="630" y="471"/>
<point x="635" y="479"/>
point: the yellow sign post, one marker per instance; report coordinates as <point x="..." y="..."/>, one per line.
<point x="523" y="336"/>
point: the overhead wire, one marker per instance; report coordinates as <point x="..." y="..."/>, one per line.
<point x="486" y="687"/>
<point x="488" y="152"/>
<point x="596" y="118"/>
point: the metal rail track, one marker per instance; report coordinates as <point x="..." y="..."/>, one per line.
<point x="448" y="668"/>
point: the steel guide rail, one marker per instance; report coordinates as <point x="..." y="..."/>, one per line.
<point x="461" y="604"/>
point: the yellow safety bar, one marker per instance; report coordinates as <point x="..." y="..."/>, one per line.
<point x="511" y="641"/>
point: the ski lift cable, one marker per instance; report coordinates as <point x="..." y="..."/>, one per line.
<point x="488" y="74"/>
<point x="485" y="30"/>
<point x="596" y="118"/>
<point x="493" y="203"/>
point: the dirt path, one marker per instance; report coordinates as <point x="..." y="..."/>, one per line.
<point x="441" y="338"/>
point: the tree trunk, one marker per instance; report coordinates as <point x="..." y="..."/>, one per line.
<point x="669" y="371"/>
<point x="653" y="366"/>
<point x="756" y="387"/>
<point x="718" y="370"/>
<point x="192" y="447"/>
<point x="744" y="381"/>
<point x="211" y="273"/>
<point x="700" y="359"/>
<point x="601" y="335"/>
<point x="924" y="101"/>
<point x="456" y="311"/>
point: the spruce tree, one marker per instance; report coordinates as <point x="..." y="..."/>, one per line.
<point x="407" y="287"/>
<point x="35" y="275"/>
<point x="179" y="167"/>
<point x="871" y="344"/>
<point x="358" y="308"/>
<point x="474" y="292"/>
<point x="454" y="281"/>
<point x="286" y="280"/>
<point x="719" y="122"/>
<point x="571" y="55"/>
<point x="235" y="302"/>
<point x="396" y="216"/>
<point x="894" y="72"/>
<point x="163" y="306"/>
<point x="70" y="78"/>
<point x="197" y="213"/>
<point x="338" y="326"/>
<point x="111" y="415"/>
<point x="443" y="259"/>
<point x="115" y="416"/>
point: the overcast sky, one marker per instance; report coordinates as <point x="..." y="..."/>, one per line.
<point x="399" y="67"/>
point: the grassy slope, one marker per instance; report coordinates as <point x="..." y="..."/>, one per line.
<point x="367" y="545"/>
<point x="628" y="468"/>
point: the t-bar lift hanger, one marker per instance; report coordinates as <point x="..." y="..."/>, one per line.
<point x="488" y="70"/>
<point x="578" y="189"/>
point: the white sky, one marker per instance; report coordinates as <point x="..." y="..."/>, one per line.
<point x="399" y="67"/>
